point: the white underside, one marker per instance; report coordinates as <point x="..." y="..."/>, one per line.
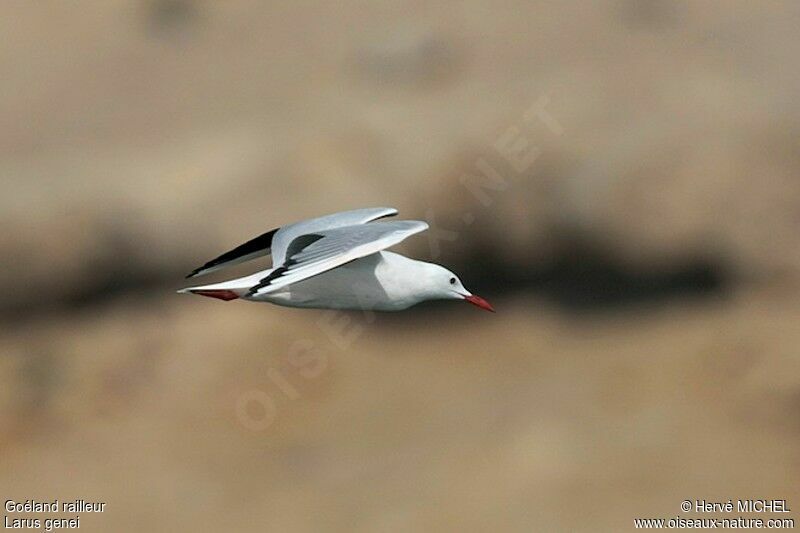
<point x="384" y="281"/>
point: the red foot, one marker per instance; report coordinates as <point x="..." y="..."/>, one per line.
<point x="219" y="294"/>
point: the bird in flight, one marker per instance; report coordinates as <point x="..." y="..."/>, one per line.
<point x="337" y="261"/>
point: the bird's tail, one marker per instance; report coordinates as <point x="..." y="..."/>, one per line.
<point x="226" y="290"/>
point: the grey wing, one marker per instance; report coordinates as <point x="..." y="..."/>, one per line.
<point x="315" y="253"/>
<point x="275" y="241"/>
<point x="289" y="233"/>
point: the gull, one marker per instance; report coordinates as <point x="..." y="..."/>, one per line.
<point x="337" y="261"/>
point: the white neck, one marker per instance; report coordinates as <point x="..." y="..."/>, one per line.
<point x="407" y="280"/>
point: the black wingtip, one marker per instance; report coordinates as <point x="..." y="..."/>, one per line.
<point x="262" y="243"/>
<point x="278" y="272"/>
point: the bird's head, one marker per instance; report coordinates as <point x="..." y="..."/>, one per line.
<point x="445" y="285"/>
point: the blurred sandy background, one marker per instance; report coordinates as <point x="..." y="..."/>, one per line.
<point x="645" y="266"/>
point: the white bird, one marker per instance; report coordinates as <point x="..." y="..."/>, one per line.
<point x="337" y="261"/>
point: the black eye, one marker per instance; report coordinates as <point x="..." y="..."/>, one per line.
<point x="452" y="281"/>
